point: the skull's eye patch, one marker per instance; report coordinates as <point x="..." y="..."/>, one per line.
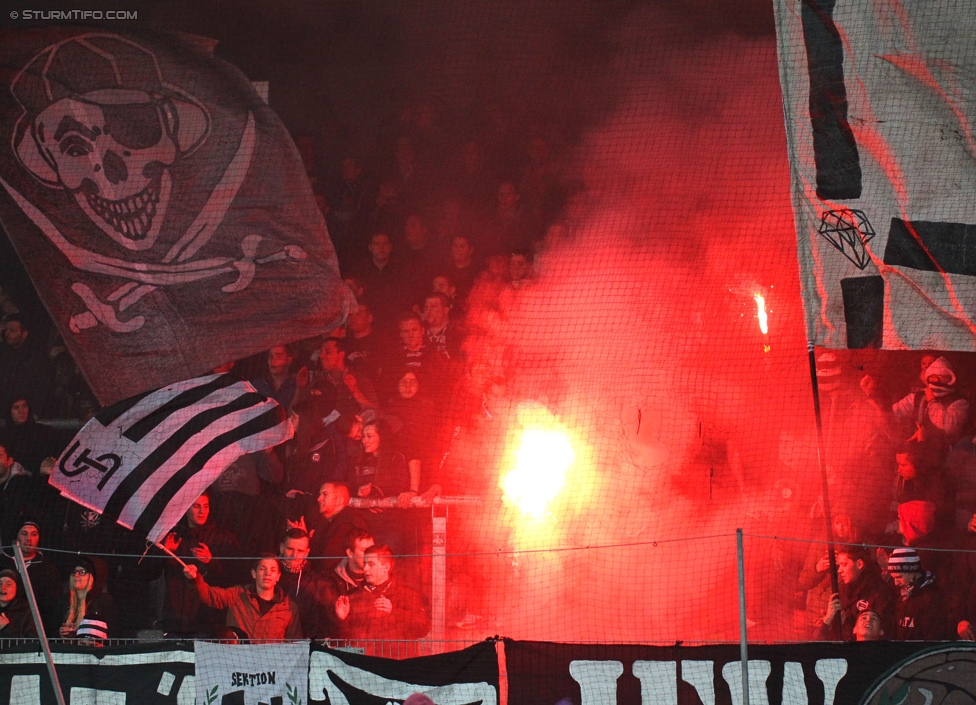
<point x="136" y="126"/>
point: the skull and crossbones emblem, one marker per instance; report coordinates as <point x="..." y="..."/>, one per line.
<point x="100" y="122"/>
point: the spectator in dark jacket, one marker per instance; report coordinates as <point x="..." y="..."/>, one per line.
<point x="90" y="613"/>
<point x="200" y="541"/>
<point x="44" y="577"/>
<point x="16" y="621"/>
<point x="16" y="490"/>
<point x="30" y="442"/>
<point x="384" y="607"/>
<point x="346" y="578"/>
<point x="302" y="584"/>
<point x="921" y="613"/>
<point x="862" y="589"/>
<point x="336" y="520"/>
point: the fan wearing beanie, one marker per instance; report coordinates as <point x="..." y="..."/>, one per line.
<point x="920" y="614"/>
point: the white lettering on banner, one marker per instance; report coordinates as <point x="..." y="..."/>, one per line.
<point x="659" y="681"/>
<point x="830" y="671"/>
<point x="165" y="683"/>
<point x="93" y="696"/>
<point x="25" y="690"/>
<point x="597" y="680"/>
<point x="794" y="688"/>
<point x="700" y="675"/>
<point x="188" y="692"/>
<point x="758" y="673"/>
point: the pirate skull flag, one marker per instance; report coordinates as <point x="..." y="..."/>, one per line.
<point x="159" y="206"/>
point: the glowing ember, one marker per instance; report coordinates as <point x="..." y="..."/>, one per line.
<point x="541" y="462"/>
<point x="761" y="313"/>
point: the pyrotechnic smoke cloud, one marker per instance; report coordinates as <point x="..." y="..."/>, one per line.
<point x="640" y="336"/>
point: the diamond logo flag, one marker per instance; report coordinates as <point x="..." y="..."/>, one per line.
<point x="145" y="460"/>
<point x="880" y="104"/>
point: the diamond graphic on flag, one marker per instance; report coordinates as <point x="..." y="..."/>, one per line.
<point x="849" y="231"/>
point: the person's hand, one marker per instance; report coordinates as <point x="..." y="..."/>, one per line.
<point x="919" y="435"/>
<point x="349" y="379"/>
<point x="292" y="494"/>
<point x="383" y="605"/>
<point x="191" y="572"/>
<point x="364" y="490"/>
<point x="202" y="553"/>
<point x="929" y="394"/>
<point x="47" y="466"/>
<point x="172" y="541"/>
<point x="823" y="564"/>
<point x="869" y="385"/>
<point x="300" y="524"/>
<point x="342" y="607"/>
<point x="881" y="556"/>
<point x="833" y="609"/>
<point x="965" y="631"/>
<point x="403" y="500"/>
<point x="65" y="630"/>
<point x="431" y="492"/>
<point x="4" y="621"/>
<point x="302" y="378"/>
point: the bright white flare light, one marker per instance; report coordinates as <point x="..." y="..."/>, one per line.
<point x="761" y="313"/>
<point x="541" y="463"/>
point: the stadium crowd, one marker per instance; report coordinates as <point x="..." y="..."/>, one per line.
<point x="901" y="464"/>
<point x="435" y="230"/>
<point x="428" y="225"/>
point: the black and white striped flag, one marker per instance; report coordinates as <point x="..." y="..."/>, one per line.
<point x="145" y="460"/>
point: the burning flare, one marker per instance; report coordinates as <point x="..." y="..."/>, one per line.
<point x="543" y="458"/>
<point x="763" y="319"/>
<point x="761" y="313"/>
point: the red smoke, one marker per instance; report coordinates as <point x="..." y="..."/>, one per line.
<point x="640" y="335"/>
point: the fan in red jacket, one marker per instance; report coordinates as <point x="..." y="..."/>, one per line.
<point x="262" y="610"/>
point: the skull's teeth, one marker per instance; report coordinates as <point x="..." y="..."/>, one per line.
<point x="130" y="217"/>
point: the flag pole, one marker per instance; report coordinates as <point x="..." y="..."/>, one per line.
<point x="172" y="555"/>
<point x="822" y="462"/>
<point x="36" y="613"/>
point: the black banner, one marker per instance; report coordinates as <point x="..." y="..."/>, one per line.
<point x="538" y="673"/>
<point x="466" y="677"/>
<point x="148" y="675"/>
<point x="795" y="674"/>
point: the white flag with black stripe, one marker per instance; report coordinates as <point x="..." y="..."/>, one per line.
<point x="145" y="460"/>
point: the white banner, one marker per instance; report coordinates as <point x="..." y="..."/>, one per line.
<point x="880" y="99"/>
<point x="251" y="674"/>
<point x="143" y="461"/>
